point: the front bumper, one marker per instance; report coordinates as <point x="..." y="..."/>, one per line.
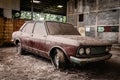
<point x="87" y="60"/>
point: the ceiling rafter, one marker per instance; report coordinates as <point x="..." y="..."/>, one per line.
<point x="45" y="6"/>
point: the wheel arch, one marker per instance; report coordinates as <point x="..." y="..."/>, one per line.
<point x="16" y="41"/>
<point x="52" y="51"/>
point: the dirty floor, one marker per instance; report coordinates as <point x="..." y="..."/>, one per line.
<point x="31" y="67"/>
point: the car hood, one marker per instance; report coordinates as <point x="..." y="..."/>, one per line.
<point x="86" y="40"/>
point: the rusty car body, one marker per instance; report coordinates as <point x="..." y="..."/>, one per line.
<point x="60" y="42"/>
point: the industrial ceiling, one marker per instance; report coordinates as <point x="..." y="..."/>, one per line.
<point x="45" y="6"/>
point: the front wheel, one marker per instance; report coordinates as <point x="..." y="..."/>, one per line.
<point x="59" y="60"/>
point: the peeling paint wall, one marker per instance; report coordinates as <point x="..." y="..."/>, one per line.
<point x="108" y="18"/>
<point x="8" y="6"/>
<point x="105" y="13"/>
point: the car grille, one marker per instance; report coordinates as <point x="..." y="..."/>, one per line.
<point x="98" y="50"/>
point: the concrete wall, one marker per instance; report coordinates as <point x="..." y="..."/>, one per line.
<point x="8" y="6"/>
<point x="96" y="13"/>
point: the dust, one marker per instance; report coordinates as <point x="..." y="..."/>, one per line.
<point x="14" y="66"/>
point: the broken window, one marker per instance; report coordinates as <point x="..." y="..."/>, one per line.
<point x="81" y="17"/>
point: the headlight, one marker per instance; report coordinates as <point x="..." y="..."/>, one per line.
<point x="81" y="51"/>
<point x="108" y="49"/>
<point x="87" y="50"/>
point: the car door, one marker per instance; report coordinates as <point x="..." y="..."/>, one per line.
<point x="26" y="34"/>
<point x="39" y="39"/>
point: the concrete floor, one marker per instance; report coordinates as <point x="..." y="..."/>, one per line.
<point x="30" y="67"/>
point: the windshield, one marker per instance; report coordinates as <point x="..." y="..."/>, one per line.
<point x="56" y="28"/>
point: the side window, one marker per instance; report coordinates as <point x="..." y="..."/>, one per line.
<point x="54" y="28"/>
<point x="40" y="28"/>
<point x="28" y="28"/>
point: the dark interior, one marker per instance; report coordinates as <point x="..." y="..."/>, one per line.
<point x="45" y="6"/>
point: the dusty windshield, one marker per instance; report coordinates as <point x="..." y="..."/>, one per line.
<point x="55" y="28"/>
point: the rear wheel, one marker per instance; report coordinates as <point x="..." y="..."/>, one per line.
<point x="19" y="49"/>
<point x="59" y="60"/>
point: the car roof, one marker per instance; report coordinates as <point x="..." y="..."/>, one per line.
<point x="33" y="21"/>
<point x="45" y="21"/>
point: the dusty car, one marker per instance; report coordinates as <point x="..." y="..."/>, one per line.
<point x="60" y="42"/>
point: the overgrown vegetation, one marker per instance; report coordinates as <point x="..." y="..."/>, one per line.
<point x="43" y="16"/>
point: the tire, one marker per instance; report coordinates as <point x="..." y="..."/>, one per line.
<point x="59" y="59"/>
<point x="19" y="49"/>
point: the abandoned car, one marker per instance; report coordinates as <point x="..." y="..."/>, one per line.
<point x="60" y="42"/>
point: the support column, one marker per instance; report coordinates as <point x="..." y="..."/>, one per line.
<point x="7" y="13"/>
<point x="32" y="10"/>
<point x="96" y="33"/>
<point x="119" y="28"/>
